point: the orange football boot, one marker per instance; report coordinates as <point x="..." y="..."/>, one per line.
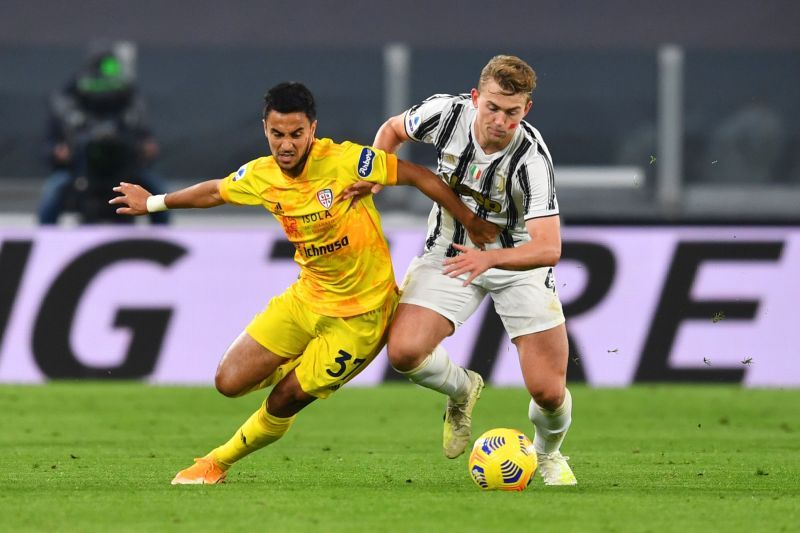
<point x="204" y="471"/>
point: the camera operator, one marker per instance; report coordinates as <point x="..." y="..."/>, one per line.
<point x="97" y="136"/>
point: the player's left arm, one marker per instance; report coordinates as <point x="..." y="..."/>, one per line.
<point x="388" y="138"/>
<point x="480" y="231"/>
<point x="544" y="249"/>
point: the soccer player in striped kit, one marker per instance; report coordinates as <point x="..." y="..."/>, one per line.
<point x="502" y="170"/>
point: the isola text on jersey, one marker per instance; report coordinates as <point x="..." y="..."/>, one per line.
<point x="314" y="217"/>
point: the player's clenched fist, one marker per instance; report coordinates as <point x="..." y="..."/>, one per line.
<point x="482" y="232"/>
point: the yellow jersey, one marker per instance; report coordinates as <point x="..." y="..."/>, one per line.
<point x="345" y="266"/>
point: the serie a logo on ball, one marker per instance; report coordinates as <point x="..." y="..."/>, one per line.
<point x="502" y="459"/>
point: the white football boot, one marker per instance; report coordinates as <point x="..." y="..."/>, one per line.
<point x="458" y="418"/>
<point x="555" y="470"/>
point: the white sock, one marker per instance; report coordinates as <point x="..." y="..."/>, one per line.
<point x="551" y="426"/>
<point x="439" y="373"/>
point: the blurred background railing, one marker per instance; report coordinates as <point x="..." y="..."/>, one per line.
<point x="706" y="129"/>
<point x="682" y="113"/>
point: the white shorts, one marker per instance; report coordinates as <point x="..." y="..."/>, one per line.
<point x="526" y="301"/>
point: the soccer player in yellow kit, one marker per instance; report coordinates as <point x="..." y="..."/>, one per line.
<point x="329" y="324"/>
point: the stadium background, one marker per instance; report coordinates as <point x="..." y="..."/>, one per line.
<point x="674" y="128"/>
<point x="682" y="117"/>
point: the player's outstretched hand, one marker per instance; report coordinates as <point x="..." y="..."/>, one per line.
<point x="361" y="189"/>
<point x="482" y="232"/>
<point x="471" y="260"/>
<point x="132" y="197"/>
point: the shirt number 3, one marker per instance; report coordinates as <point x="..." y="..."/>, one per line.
<point x="342" y="362"/>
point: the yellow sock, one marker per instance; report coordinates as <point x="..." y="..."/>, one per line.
<point x="258" y="431"/>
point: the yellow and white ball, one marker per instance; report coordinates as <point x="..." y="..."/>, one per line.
<point x="502" y="459"/>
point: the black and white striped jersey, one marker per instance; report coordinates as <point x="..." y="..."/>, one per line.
<point x="507" y="187"/>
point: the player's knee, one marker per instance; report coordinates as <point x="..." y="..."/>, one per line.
<point x="549" y="397"/>
<point x="227" y="385"/>
<point x="404" y="356"/>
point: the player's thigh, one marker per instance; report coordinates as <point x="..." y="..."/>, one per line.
<point x="531" y="312"/>
<point x="267" y="347"/>
<point x="425" y="286"/>
<point x="527" y="302"/>
<point x="284" y="327"/>
<point x="543" y="359"/>
<point x="342" y="349"/>
<point x="245" y="361"/>
<point x="414" y="333"/>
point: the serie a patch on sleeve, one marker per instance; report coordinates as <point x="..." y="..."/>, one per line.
<point x="240" y="173"/>
<point x="365" y="161"/>
<point x="412" y="123"/>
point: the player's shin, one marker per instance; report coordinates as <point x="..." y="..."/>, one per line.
<point x="438" y="372"/>
<point x="551" y="426"/>
<point x="260" y="430"/>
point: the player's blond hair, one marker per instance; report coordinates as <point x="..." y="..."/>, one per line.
<point x="512" y="74"/>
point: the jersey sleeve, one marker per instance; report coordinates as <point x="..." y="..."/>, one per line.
<point x="536" y="180"/>
<point x="369" y="164"/>
<point x="241" y="187"/>
<point x="423" y="121"/>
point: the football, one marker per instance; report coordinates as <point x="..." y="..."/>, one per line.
<point x="502" y="459"/>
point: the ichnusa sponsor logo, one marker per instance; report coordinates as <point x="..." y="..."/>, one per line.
<point x="365" y="162"/>
<point x="313" y="251"/>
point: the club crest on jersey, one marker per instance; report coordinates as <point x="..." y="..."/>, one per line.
<point x="240" y="173"/>
<point x="325" y="197"/>
<point x="365" y="160"/>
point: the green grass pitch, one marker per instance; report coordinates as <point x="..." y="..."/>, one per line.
<point x="99" y="457"/>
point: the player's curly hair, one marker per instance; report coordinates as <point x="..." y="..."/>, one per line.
<point x="290" y="97"/>
<point x="512" y="74"/>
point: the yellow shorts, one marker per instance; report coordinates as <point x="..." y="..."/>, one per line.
<point x="325" y="352"/>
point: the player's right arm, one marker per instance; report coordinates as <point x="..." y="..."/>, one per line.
<point x="389" y="137"/>
<point x="419" y="123"/>
<point x="133" y="198"/>
<point x="391" y="134"/>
